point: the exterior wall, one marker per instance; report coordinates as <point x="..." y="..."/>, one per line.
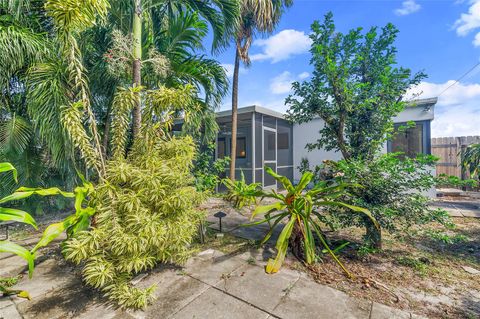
<point x="308" y="133"/>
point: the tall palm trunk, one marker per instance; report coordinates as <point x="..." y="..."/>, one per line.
<point x="233" y="153"/>
<point x="137" y="64"/>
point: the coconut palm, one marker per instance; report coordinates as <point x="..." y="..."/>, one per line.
<point x="257" y="17"/>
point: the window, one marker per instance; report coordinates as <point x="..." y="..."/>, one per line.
<point x="221" y="148"/>
<point x="409" y="141"/>
<point x="241" y="147"/>
<point x="283" y="141"/>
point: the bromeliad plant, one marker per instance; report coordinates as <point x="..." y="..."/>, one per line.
<point x="300" y="208"/>
<point x="241" y="194"/>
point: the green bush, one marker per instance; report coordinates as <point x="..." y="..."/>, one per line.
<point x="240" y="193"/>
<point x="207" y="171"/>
<point x="391" y="188"/>
<point x="444" y="180"/>
<point x="145" y="214"/>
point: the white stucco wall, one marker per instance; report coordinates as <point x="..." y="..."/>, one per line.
<point x="308" y="133"/>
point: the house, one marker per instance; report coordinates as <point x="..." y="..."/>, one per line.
<point x="265" y="138"/>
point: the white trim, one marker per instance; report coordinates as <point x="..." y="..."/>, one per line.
<point x="287" y="166"/>
<point x="270" y="129"/>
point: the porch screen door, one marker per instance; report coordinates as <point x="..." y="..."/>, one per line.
<point x="269" y="156"/>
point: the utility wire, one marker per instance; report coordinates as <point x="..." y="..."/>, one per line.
<point x="460" y="78"/>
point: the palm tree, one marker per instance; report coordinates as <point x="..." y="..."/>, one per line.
<point x="257" y="17"/>
<point x="221" y="14"/>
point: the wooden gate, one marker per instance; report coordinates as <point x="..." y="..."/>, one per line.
<point x="449" y="150"/>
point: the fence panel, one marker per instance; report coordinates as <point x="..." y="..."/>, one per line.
<point x="449" y="150"/>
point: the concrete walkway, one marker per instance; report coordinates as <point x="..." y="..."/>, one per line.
<point x="211" y="285"/>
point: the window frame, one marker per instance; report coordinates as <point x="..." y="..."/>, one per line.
<point x="426" y="136"/>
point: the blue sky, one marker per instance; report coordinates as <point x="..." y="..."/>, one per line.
<point x="440" y="37"/>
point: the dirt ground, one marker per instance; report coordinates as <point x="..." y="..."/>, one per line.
<point x="422" y="273"/>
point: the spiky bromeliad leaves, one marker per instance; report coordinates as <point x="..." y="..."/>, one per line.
<point x="301" y="210"/>
<point x="146" y="214"/>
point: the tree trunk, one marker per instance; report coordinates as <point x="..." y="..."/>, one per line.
<point x="137" y="65"/>
<point x="373" y="236"/>
<point x="233" y="153"/>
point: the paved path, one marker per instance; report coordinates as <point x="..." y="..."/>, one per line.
<point x="211" y="285"/>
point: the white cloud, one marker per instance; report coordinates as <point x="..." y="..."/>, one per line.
<point x="408" y="7"/>
<point x="469" y="22"/>
<point x="282" y="46"/>
<point x="457" y="112"/>
<point x="282" y="83"/>
<point x="229" y="69"/>
<point x="303" y="75"/>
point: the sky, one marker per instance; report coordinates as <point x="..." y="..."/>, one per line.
<point x="438" y="37"/>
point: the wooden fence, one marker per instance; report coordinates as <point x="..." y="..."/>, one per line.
<point x="450" y="150"/>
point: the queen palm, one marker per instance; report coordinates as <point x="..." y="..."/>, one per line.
<point x="257" y="17"/>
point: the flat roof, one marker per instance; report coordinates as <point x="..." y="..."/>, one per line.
<point x="426" y="103"/>
<point x="252" y="108"/>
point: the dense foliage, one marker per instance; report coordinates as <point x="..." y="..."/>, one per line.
<point x="392" y="188"/>
<point x="146" y="214"/>
<point x="208" y="171"/>
<point x="356" y="88"/>
<point x="301" y="210"/>
<point x="444" y="180"/>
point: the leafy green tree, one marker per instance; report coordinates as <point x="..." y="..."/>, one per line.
<point x="356" y="88"/>
<point x="257" y="17"/>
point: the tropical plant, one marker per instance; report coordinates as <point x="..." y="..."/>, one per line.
<point x="241" y="194"/>
<point x="73" y="223"/>
<point x="300" y="208"/>
<point x="471" y="160"/>
<point x="356" y="89"/>
<point x="207" y="171"/>
<point x="146" y="214"/>
<point x="257" y="17"/>
<point x="393" y="190"/>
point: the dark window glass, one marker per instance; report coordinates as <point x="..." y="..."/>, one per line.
<point x="283" y="141"/>
<point x="270" y="149"/>
<point x="241" y="147"/>
<point x="408" y="141"/>
<point x="221" y="148"/>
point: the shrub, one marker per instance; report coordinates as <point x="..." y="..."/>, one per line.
<point x="145" y="214"/>
<point x="207" y="171"/>
<point x="300" y="210"/>
<point x="391" y="188"/>
<point x="444" y="180"/>
<point x="240" y="193"/>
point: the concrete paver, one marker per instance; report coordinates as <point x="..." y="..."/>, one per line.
<point x="307" y="299"/>
<point x="252" y="284"/>
<point x="215" y="304"/>
<point x="380" y="311"/>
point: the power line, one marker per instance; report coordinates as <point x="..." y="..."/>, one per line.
<point x="460" y="78"/>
